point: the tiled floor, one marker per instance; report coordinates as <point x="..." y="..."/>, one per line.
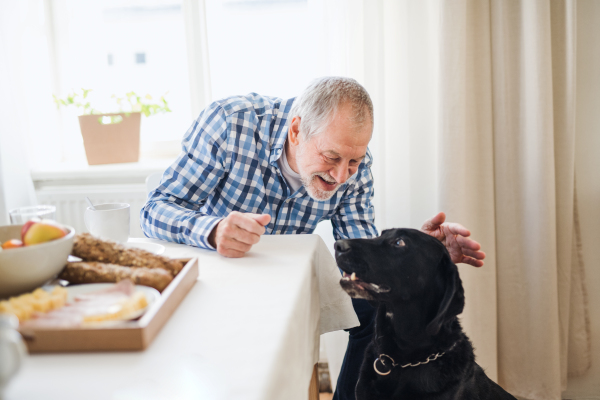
<point x="325" y="396"/>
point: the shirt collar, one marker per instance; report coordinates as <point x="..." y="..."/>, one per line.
<point x="280" y="130"/>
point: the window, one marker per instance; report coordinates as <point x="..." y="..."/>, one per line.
<point x="114" y="47"/>
<point x="140" y="58"/>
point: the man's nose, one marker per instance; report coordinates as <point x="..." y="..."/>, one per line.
<point x="341" y="173"/>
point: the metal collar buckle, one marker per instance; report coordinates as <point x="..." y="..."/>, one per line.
<point x="381" y="359"/>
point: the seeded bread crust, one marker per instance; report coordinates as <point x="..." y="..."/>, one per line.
<point x="95" y="272"/>
<point x="90" y="248"/>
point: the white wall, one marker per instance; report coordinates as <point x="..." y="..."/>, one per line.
<point x="588" y="180"/>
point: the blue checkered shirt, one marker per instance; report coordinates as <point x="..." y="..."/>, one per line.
<point x="229" y="163"/>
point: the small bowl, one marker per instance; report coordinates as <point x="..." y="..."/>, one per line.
<point x="26" y="268"/>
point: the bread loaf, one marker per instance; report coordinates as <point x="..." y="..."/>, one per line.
<point x="90" y="248"/>
<point x="94" y="272"/>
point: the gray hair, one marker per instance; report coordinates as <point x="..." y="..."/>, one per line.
<point x="319" y="101"/>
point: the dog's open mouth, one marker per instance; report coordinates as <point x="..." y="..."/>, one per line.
<point x="356" y="287"/>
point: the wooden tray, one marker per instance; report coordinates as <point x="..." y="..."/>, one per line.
<point x="132" y="335"/>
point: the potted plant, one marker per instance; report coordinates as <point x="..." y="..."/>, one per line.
<point x="112" y="137"/>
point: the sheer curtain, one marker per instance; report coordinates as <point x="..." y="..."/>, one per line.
<point x="194" y="12"/>
<point x="388" y="46"/>
<point x="19" y="23"/>
<point x="474" y="109"/>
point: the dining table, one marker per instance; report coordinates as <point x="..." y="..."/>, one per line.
<point x="249" y="328"/>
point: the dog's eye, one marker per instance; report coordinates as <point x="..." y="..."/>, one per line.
<point x="400" y="243"/>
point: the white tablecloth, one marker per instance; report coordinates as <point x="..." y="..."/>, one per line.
<point x="248" y="329"/>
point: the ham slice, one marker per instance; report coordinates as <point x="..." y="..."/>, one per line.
<point x="99" y="302"/>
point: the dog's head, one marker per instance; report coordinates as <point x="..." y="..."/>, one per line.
<point x="402" y="266"/>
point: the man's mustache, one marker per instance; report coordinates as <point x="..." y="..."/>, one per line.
<point x="325" y="176"/>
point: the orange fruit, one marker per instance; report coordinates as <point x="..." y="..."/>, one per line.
<point x="12" y="244"/>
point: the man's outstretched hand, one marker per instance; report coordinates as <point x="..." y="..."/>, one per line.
<point x="235" y="234"/>
<point x="456" y="239"/>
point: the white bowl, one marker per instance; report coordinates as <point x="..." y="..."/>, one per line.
<point x="26" y="268"/>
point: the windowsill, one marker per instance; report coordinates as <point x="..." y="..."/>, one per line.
<point x="80" y="173"/>
<point x="75" y="171"/>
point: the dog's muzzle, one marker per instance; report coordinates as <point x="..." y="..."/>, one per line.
<point x="356" y="281"/>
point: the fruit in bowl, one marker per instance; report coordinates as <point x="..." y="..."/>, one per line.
<point x="25" y="268"/>
<point x="12" y="244"/>
<point x="36" y="231"/>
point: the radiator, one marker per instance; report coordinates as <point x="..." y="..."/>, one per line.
<point x="70" y="202"/>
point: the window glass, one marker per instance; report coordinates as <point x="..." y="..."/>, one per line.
<point x="114" y="47"/>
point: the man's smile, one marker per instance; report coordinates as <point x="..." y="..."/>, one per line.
<point x="327" y="185"/>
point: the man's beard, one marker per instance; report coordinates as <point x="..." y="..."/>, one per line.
<point x="310" y="182"/>
<point x="311" y="185"/>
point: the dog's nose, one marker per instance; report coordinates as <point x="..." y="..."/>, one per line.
<point x="342" y="246"/>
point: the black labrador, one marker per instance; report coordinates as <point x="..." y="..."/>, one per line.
<point x="419" y="350"/>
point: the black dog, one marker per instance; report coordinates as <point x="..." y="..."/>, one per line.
<point x="419" y="350"/>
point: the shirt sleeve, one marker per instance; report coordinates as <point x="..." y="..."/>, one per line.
<point x="355" y="216"/>
<point x="172" y="211"/>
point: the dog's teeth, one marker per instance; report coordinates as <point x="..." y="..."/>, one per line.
<point x="353" y="276"/>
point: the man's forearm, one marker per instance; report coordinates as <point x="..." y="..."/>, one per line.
<point x="165" y="220"/>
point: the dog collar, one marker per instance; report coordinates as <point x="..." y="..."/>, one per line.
<point x="382" y="357"/>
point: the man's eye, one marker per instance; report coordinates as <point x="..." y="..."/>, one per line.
<point x="399" y="243"/>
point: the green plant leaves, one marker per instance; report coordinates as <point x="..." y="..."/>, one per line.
<point x="131" y="102"/>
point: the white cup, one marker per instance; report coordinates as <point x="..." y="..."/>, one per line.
<point x="109" y="221"/>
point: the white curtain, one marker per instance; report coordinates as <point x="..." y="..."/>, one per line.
<point x="19" y="22"/>
<point x="194" y="13"/>
<point x="388" y="47"/>
<point x="507" y="138"/>
<point x="474" y="110"/>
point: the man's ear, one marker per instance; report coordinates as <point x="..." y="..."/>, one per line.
<point x="294" y="131"/>
<point x="453" y="300"/>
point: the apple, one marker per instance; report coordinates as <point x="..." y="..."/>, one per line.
<point x="34" y="232"/>
<point x="27" y="225"/>
<point x="12" y="244"/>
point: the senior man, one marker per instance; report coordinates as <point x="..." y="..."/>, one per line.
<point x="254" y="165"/>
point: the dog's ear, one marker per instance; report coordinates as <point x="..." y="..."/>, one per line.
<point x="453" y="300"/>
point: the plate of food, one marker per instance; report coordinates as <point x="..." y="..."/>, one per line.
<point x="104" y="302"/>
<point x="97" y="304"/>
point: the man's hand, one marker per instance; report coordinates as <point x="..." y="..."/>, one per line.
<point x="235" y="235"/>
<point x="456" y="239"/>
